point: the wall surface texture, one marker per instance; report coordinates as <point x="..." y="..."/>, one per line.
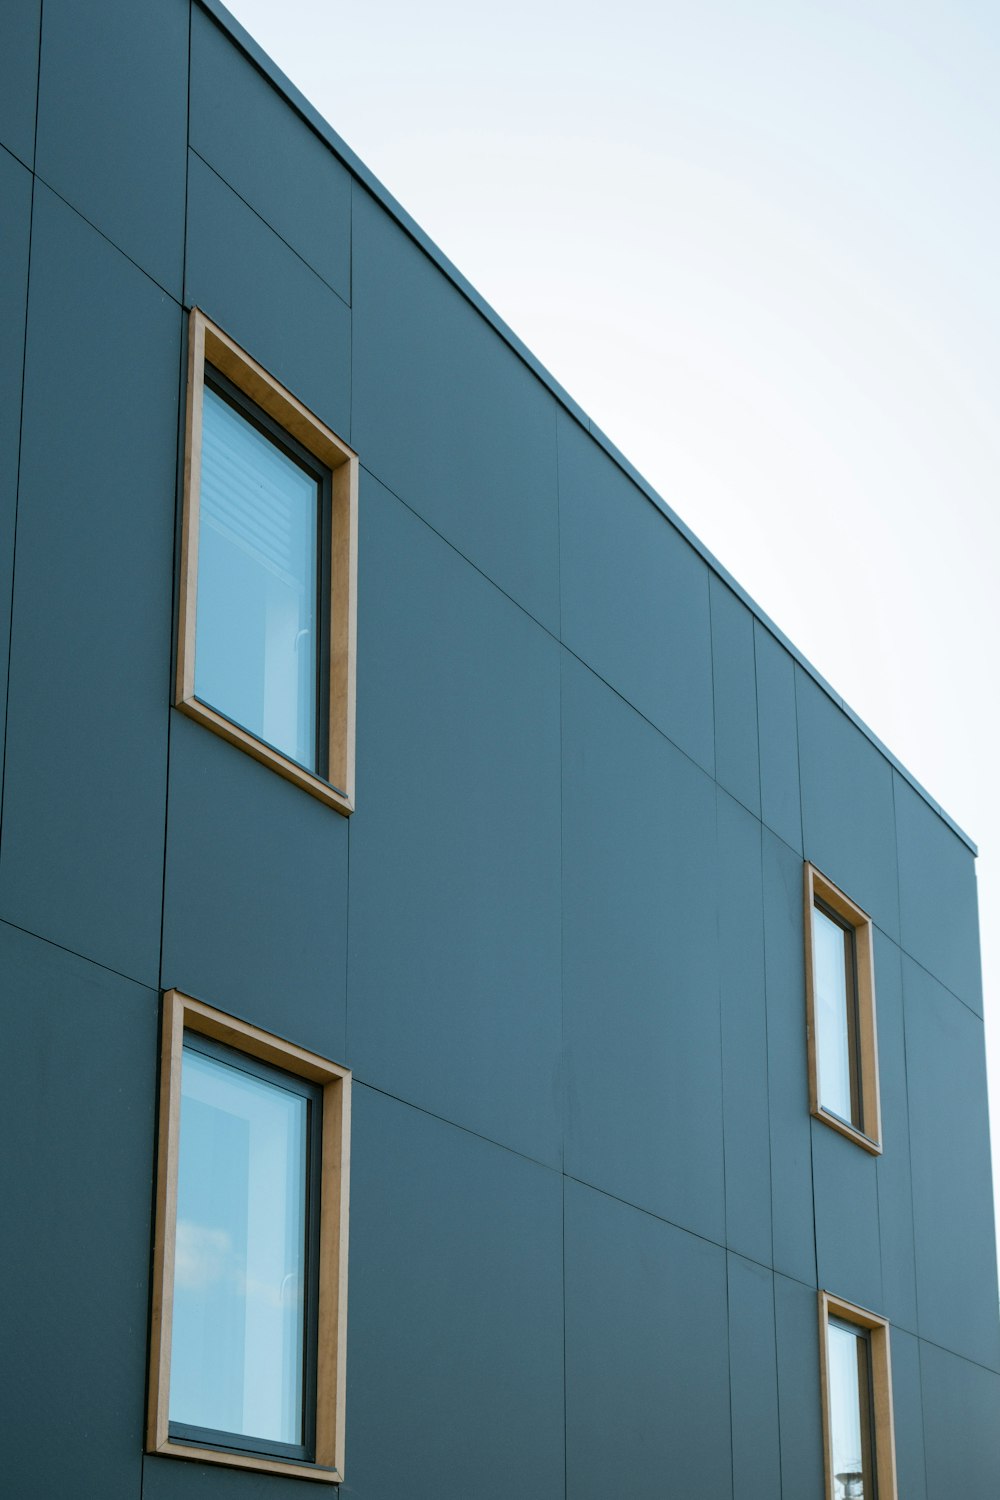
<point x="560" y="941"/>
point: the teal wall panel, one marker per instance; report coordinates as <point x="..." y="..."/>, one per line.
<point x="85" y="783"/>
<point x="171" y="1479"/>
<point x="907" y="1416"/>
<point x="950" y="1165"/>
<point x="255" y="900"/>
<point x="796" y="1316"/>
<point x="15" y="229"/>
<point x="245" y="130"/>
<point x="449" y="418"/>
<point x="300" y="331"/>
<point x="455" y="858"/>
<point x="780" y="801"/>
<point x="753" y="1375"/>
<point x="788" y="1084"/>
<point x="455" y="1340"/>
<point x="112" y="123"/>
<point x="847" y="806"/>
<point x="895" y="1193"/>
<point x="744" y="1032"/>
<point x="635" y="601"/>
<point x="737" y="766"/>
<point x="848" y="1249"/>
<point x="78" y="1104"/>
<point x="939" y="919"/>
<point x="640" y="970"/>
<point x="19" y="77"/>
<point x="961" y="1410"/>
<point x="647" y="1398"/>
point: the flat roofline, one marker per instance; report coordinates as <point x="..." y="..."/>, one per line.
<point x="356" y="166"/>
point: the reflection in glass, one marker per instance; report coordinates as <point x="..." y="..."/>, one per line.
<point x="836" y="1017"/>
<point x="256" y="632"/>
<point x="238" y="1312"/>
<point x="849" y="1378"/>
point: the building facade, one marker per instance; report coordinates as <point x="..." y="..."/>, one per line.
<point x="651" y="977"/>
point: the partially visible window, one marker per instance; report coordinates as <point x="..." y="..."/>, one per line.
<point x="857" y="1402"/>
<point x="849" y="1374"/>
<point x="250" y="1270"/>
<point x="840" y="995"/>
<point x="266" y="636"/>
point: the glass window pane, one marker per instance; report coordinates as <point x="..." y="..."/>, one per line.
<point x="836" y="1033"/>
<point x="850" y="1412"/>
<point x="256" y="635"/>
<point x="239" y="1274"/>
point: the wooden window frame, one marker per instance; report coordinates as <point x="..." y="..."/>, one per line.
<point x="877" y="1328"/>
<point x="208" y="344"/>
<point x="183" y="1014"/>
<point x="818" y="888"/>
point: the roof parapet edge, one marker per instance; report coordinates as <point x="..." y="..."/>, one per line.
<point x="370" y="182"/>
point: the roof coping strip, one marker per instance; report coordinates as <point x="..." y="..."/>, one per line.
<point x="370" y="182"/>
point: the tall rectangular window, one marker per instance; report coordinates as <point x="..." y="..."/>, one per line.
<point x="849" y="1378"/>
<point x="856" y="1387"/>
<point x="250" y="1275"/>
<point x="840" y="997"/>
<point x="246" y="1251"/>
<point x="836" y="1014"/>
<point x="266" y="632"/>
<point x="260" y="584"/>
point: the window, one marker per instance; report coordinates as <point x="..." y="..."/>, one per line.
<point x="857" y="1402"/>
<point x="840" y="1002"/>
<point x="266" y="632"/>
<point x="250" y="1268"/>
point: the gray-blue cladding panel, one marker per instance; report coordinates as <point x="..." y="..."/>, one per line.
<point x="15" y="227"/>
<point x="173" y="1479"/>
<point x="455" y="1341"/>
<point x="634" y="595"/>
<point x="77" y="1119"/>
<point x="788" y="1084"/>
<point x="847" y="806"/>
<point x="264" y="296"/>
<point x="737" y="766"/>
<point x="19" y="78"/>
<point x="455" y="997"/>
<point x="950" y="1164"/>
<point x="243" y="127"/>
<point x="112" y="124"/>
<point x="647" y="1357"/>
<point x="848" y="1250"/>
<point x="744" y="1032"/>
<point x="640" y="969"/>
<point x="938" y="909"/>
<point x="780" y="802"/>
<point x="961" y="1408"/>
<point x="255" y="906"/>
<point x="895" y="1194"/>
<point x="82" y="859"/>
<point x="907" y="1416"/>
<point x="449" y="418"/>
<point x="753" y="1375"/>
<point x="796" y="1320"/>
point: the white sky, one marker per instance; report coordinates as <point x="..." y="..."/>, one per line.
<point x="759" y="243"/>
